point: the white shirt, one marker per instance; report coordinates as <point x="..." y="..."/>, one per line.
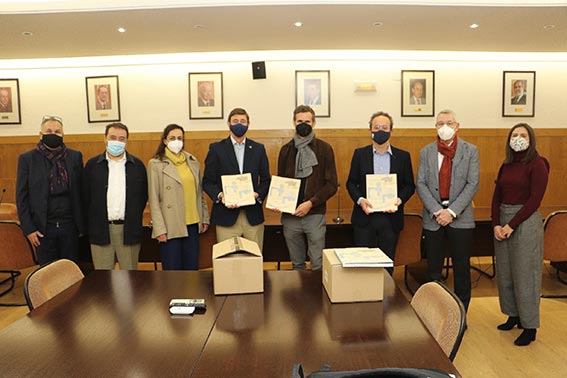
<point x="116" y="192"/>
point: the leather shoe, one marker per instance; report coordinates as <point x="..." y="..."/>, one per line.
<point x="510" y="323"/>
<point x="527" y="336"/>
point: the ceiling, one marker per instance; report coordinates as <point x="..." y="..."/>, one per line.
<point x="270" y="27"/>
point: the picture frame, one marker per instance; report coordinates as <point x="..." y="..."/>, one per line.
<point x="103" y="99"/>
<point x="206" y="95"/>
<point x="418" y="93"/>
<point x="313" y="88"/>
<point x="518" y="93"/>
<point x="10" y="111"/>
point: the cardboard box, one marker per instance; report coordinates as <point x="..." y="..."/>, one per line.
<point x="351" y="284"/>
<point x="237" y="267"/>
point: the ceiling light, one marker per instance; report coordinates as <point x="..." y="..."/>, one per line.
<point x="122" y="30"/>
<point x="198" y="26"/>
<point x="298" y="24"/>
<point x="473" y="26"/>
<point x="377" y="24"/>
<point x="27" y="34"/>
<point x="550" y="26"/>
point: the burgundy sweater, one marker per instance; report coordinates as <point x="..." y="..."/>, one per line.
<point x="520" y="183"/>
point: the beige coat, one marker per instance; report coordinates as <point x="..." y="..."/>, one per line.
<point x="166" y="197"/>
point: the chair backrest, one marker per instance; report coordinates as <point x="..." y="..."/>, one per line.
<point x="555" y="236"/>
<point x="8" y="211"/>
<point x="443" y="314"/>
<point x="49" y="280"/>
<point x="408" y="250"/>
<point x="16" y="252"/>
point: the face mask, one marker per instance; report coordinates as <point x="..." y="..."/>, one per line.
<point x="445" y="132"/>
<point x="115" y="147"/>
<point x="175" y="146"/>
<point x="238" y="129"/>
<point x="380" y="136"/>
<point x="519" y="144"/>
<point x="52" y="140"/>
<point x="303" y="129"/>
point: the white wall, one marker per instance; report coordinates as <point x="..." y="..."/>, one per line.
<point x="154" y="89"/>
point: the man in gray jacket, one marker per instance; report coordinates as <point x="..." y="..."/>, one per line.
<point x="447" y="181"/>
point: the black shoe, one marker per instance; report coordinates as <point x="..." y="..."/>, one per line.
<point x="510" y="323"/>
<point x="527" y="336"/>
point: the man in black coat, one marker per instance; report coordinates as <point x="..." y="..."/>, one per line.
<point x="379" y="229"/>
<point x="231" y="156"/>
<point x="48" y="195"/>
<point x="115" y="195"/>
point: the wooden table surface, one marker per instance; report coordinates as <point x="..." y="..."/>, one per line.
<point x="117" y="324"/>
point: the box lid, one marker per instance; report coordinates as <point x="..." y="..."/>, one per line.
<point x="236" y="244"/>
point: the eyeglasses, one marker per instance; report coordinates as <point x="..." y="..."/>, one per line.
<point x="449" y="123"/>
<point x="51" y="118"/>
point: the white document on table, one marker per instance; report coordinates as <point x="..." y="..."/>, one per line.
<point x="238" y="190"/>
<point x="382" y="191"/>
<point x="283" y="194"/>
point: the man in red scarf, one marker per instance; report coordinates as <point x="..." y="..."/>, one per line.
<point x="447" y="181"/>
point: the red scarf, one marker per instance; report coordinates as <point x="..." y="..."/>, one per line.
<point x="445" y="172"/>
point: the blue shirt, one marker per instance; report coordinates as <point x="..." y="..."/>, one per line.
<point x="381" y="161"/>
<point x="239" y="152"/>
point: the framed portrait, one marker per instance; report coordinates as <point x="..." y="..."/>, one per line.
<point x="418" y="93"/>
<point x="518" y="94"/>
<point x="103" y="99"/>
<point x="312" y="88"/>
<point x="205" y="95"/>
<point x="10" y="113"/>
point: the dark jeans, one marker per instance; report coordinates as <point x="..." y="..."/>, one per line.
<point x="181" y="253"/>
<point x="461" y="243"/>
<point x="60" y="241"/>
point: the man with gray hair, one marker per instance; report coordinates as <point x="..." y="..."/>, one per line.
<point x="48" y="194"/>
<point x="447" y="180"/>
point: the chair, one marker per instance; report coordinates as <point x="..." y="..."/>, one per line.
<point x="555" y="245"/>
<point x="8" y="211"/>
<point x="442" y="313"/>
<point x="49" y="280"/>
<point x="408" y="250"/>
<point x="16" y="252"/>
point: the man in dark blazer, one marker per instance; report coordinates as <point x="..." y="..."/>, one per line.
<point x="447" y="180"/>
<point x="115" y="188"/>
<point x="519" y="93"/>
<point x="48" y="195"/>
<point x="237" y="155"/>
<point x="379" y="229"/>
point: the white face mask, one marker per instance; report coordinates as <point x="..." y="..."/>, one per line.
<point x="175" y="146"/>
<point x="519" y="144"/>
<point x="445" y="132"/>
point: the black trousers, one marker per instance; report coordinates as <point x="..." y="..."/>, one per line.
<point x="377" y="233"/>
<point x="60" y="241"/>
<point x="461" y="243"/>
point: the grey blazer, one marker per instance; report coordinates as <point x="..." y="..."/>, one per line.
<point x="464" y="184"/>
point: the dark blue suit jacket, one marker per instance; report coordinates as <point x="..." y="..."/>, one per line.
<point x="32" y="189"/>
<point x="221" y="160"/>
<point x="363" y="164"/>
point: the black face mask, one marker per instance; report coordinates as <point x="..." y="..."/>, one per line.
<point x="52" y="140"/>
<point x="380" y="136"/>
<point x="303" y="129"/>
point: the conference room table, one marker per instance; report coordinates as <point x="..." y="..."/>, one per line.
<point x="117" y="324"/>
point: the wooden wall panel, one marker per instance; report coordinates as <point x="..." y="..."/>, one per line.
<point x="552" y="143"/>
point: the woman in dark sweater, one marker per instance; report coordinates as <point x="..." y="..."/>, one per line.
<point x="518" y="230"/>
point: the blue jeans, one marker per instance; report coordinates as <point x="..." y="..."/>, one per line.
<point x="181" y="253"/>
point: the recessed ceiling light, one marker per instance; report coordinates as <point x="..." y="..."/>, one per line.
<point x="550" y="26"/>
<point x="298" y="24"/>
<point x="27" y="34"/>
<point x="122" y="30"/>
<point x="377" y="24"/>
<point x="198" y="26"/>
<point x="473" y="26"/>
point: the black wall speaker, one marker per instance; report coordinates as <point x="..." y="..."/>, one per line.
<point x="259" y="70"/>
